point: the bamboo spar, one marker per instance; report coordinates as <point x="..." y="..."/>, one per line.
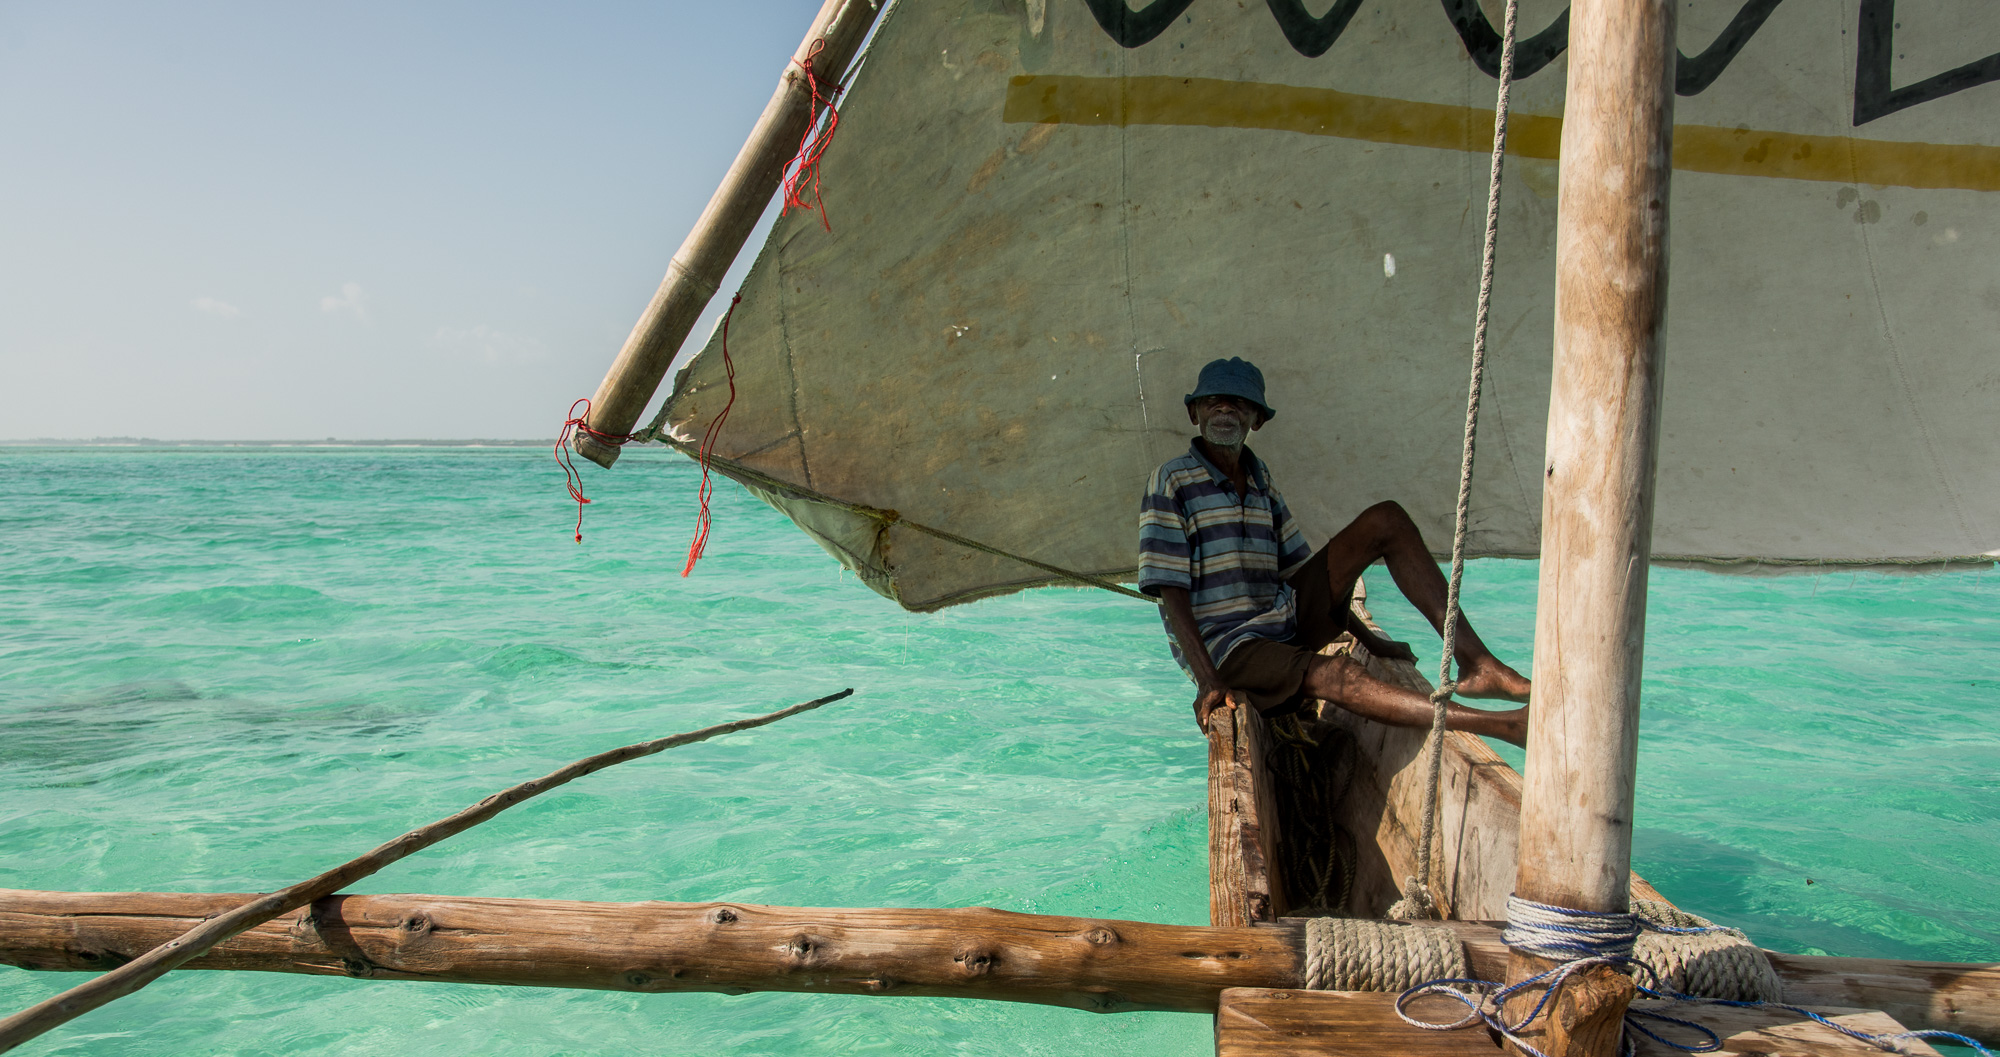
<point x="1597" y="497"/>
<point x="697" y="268"/>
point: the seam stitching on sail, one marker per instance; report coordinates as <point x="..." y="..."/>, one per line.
<point x="1532" y="510"/>
<point x="1125" y="240"/>
<point x="791" y="362"/>
<point x="1902" y="373"/>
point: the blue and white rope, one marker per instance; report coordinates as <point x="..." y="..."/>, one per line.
<point x="1580" y="939"/>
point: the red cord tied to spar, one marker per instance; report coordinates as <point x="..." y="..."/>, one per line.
<point x="803" y="170"/>
<point x="575" y="425"/>
<point x="700" y="541"/>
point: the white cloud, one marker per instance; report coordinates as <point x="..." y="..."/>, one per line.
<point x="493" y="346"/>
<point x="351" y="299"/>
<point x="216" y="307"/>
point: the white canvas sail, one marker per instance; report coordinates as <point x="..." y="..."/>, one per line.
<point x="1046" y="216"/>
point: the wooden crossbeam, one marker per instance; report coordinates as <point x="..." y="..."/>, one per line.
<point x="1267" y="1022"/>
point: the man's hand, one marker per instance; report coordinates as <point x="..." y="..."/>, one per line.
<point x="1209" y="701"/>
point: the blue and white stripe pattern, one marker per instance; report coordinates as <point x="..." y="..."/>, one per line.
<point x="1230" y="555"/>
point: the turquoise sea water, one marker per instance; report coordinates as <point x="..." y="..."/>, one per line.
<point x="225" y="670"/>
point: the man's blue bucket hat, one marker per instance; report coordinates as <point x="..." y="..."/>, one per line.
<point x="1234" y="376"/>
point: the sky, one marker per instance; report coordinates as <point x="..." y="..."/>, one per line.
<point x="260" y="221"/>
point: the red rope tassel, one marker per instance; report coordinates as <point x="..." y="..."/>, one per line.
<point x="803" y="169"/>
<point x="574" y="425"/>
<point x="701" y="522"/>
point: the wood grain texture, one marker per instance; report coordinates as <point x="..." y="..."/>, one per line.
<point x="1947" y="996"/>
<point x="1085" y="963"/>
<point x="1586" y="1016"/>
<point x="1597" y="492"/>
<point x="1259" y="1022"/>
<point x="1479" y="809"/>
<point x="698" y="267"/>
<point x="554" y="943"/>
<point x="1603" y="438"/>
<point x="1242" y="827"/>
<point x="1264" y="1022"/>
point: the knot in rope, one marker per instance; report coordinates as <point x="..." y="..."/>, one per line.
<point x="1353" y="954"/>
<point x="1416" y="904"/>
<point x="573" y="426"/>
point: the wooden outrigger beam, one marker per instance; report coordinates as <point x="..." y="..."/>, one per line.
<point x="1094" y="964"/>
<point x="1099" y="965"/>
<point x="698" y="267"/>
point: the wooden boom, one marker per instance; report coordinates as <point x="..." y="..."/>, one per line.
<point x="1085" y="963"/>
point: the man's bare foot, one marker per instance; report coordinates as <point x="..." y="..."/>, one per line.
<point x="1488" y="678"/>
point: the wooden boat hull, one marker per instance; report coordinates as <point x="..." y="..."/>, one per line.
<point x="1334" y="827"/>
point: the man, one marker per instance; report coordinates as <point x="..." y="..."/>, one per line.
<point x="1248" y="604"/>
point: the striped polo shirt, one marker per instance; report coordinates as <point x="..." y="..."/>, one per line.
<point x="1232" y="556"/>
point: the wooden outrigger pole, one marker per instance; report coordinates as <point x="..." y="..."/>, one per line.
<point x="1597" y="492"/>
<point x="697" y="268"/>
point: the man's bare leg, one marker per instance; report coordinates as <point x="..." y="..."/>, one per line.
<point x="1385" y="532"/>
<point x="1345" y="683"/>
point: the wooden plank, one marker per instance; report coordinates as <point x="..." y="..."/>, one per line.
<point x="1267" y="828"/>
<point x="1093" y="964"/>
<point x="1265" y="1022"/>
<point x="1947" y="996"/>
<point x="1241" y="843"/>
<point x="1262" y="1022"/>
<point x="1776" y="1033"/>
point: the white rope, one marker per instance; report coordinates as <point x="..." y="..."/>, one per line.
<point x="1417" y="901"/>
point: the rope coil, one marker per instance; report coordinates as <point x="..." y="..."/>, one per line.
<point x="1355" y="954"/>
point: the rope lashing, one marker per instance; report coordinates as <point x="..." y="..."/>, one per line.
<point x="1355" y="954"/>
<point x="1683" y="959"/>
<point x="575" y="424"/>
<point x="803" y="170"/>
<point x="1417" y="901"/>
<point x="699" y="543"/>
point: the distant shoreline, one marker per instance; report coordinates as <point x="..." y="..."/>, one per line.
<point x="330" y="442"/>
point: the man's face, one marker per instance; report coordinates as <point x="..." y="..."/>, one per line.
<point x="1226" y="421"/>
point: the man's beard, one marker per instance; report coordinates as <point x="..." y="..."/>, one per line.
<point x="1225" y="434"/>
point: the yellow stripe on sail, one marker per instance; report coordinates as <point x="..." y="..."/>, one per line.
<point x="1205" y="102"/>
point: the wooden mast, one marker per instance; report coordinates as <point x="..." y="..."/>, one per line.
<point x="698" y="267"/>
<point x="1597" y="497"/>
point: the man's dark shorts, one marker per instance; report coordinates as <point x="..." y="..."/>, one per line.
<point x="1270" y="673"/>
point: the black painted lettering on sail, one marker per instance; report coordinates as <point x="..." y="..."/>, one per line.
<point x="1308" y="34"/>
<point x="1314" y="35"/>
<point x="1133" y="28"/>
<point x="1873" y="96"/>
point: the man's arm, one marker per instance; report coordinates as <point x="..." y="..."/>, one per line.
<point x="1210" y="694"/>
